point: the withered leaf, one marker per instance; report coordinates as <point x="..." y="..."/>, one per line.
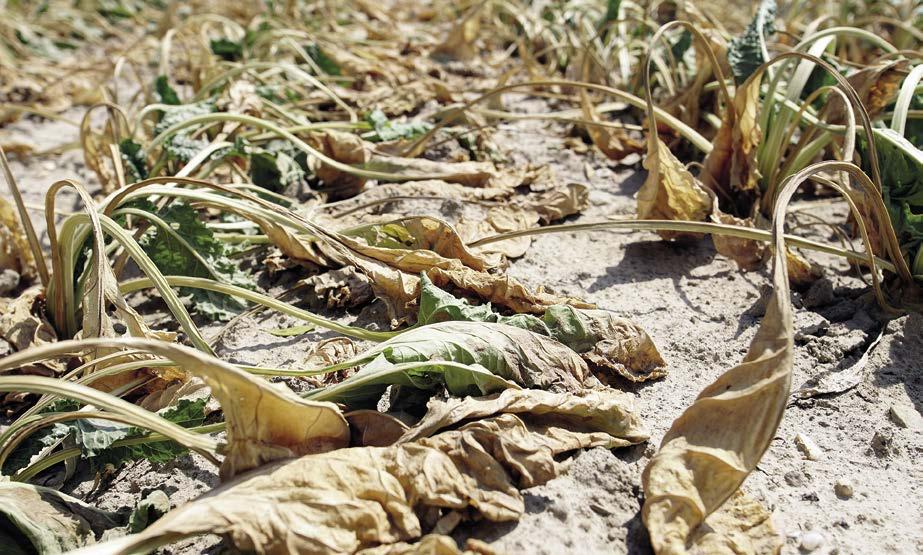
<point x="731" y="166"/>
<point x="265" y="421"/>
<point x="23" y="325"/>
<point x="670" y="192"/>
<point x="342" y="147"/>
<point x="602" y="338"/>
<point x="604" y="410"/>
<point x="485" y="350"/>
<point x="742" y="525"/>
<point x="15" y="253"/>
<point x="876" y="86"/>
<point x="613" y="142"/>
<point x="349" y="499"/>
<point x="712" y="447"/>
<point x="43" y="520"/>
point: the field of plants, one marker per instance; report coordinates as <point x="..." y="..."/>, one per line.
<point x="491" y="276"/>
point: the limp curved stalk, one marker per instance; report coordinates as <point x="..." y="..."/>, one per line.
<point x="134" y="414"/>
<point x="265" y="300"/>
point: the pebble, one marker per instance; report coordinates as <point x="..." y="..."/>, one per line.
<point x="795" y="478"/>
<point x="843" y="489"/>
<point x="9" y="281"/>
<point x="808" y="448"/>
<point x="905" y="417"/>
<point x="811" y="540"/>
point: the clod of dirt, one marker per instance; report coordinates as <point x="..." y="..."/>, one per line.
<point x="843" y="489"/>
<point x="819" y="294"/>
<point x="883" y="444"/>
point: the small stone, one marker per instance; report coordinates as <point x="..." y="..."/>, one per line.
<point x="843" y="489"/>
<point x="905" y="417"/>
<point x="808" y="448"/>
<point x="795" y="478"/>
<point x="811" y="540"/>
<point x="9" y="281"/>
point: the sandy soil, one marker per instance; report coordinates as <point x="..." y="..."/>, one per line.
<point x="842" y="476"/>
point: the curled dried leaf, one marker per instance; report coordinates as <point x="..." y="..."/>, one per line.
<point x="703" y="459"/>
<point x="731" y="167"/>
<point x="23" y="325"/>
<point x="670" y="192"/>
<point x="43" y="520"/>
<point x="342" y="147"/>
<point x="349" y="499"/>
<point x="615" y="143"/>
<point x="15" y="253"/>
<point x="605" y="410"/>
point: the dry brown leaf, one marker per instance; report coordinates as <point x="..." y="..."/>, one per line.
<point x="613" y="142"/>
<point x="23" y="325"/>
<point x="470" y="174"/>
<point x="360" y="497"/>
<point x="433" y="544"/>
<point x="747" y="253"/>
<point x="412" y="241"/>
<point x="460" y="42"/>
<point x="544" y="208"/>
<point x="712" y="447"/>
<point x="731" y="165"/>
<point x="342" y="147"/>
<point x="604" y="410"/>
<point x="341" y="288"/>
<point x="371" y="428"/>
<point x="670" y="192"/>
<point x="619" y="345"/>
<point x="801" y="272"/>
<point x="876" y="86"/>
<point x="740" y="526"/>
<point x="15" y="252"/>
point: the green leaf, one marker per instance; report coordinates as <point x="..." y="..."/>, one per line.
<point x="745" y="52"/>
<point x="182" y="146"/>
<point x="387" y="130"/>
<point x="186" y="413"/>
<point x="172" y="257"/>
<point x="166" y="93"/>
<point x="324" y="62"/>
<point x="612" y="11"/>
<point x="293" y="331"/>
<point x="277" y="165"/>
<point x="682" y="44"/>
<point x="227" y="49"/>
<point x="901" y="165"/>
<point x="133" y="159"/>
<point x="599" y="336"/>
<point x="486" y="356"/>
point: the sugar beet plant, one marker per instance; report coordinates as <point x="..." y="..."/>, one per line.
<point x="233" y="146"/>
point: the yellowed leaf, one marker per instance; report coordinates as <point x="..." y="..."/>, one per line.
<point x="604" y="410"/>
<point x="670" y="192"/>
<point x="342" y="147"/>
<point x="742" y="525"/>
<point x="23" y="325"/>
<point x="15" y="252"/>
<point x="361" y="497"/>
<point x="613" y="142"/>
<point x="712" y="447"/>
<point x="731" y="165"/>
